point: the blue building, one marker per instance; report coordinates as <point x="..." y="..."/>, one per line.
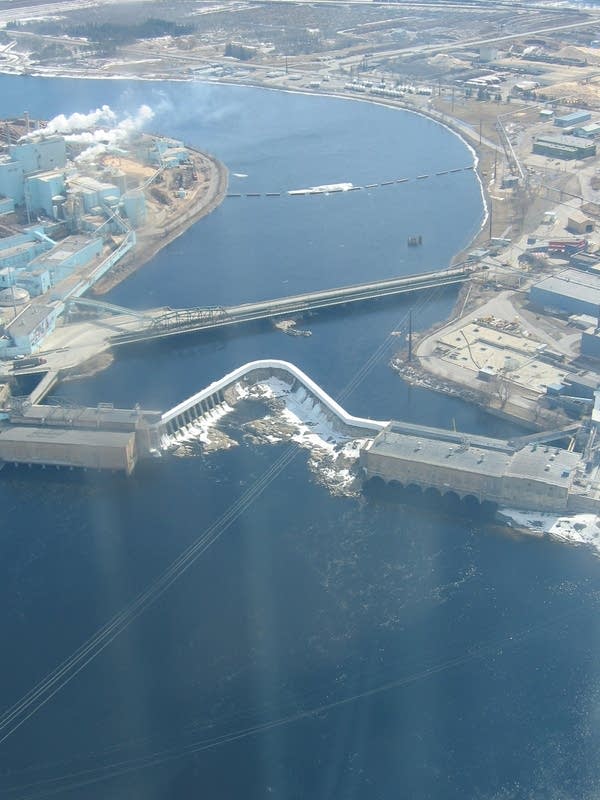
<point x="18" y="250"/>
<point x="25" y="158"/>
<point x="45" y="192"/>
<point x="570" y="292"/>
<point x="40" y="154"/>
<point x="12" y="179"/>
<point x="70" y="254"/>
<point x="36" y="282"/>
<point x="7" y="205"/>
<point x="168" y="153"/>
<point x="29" y="328"/>
<point x="94" y="194"/>
<point x="574" y="118"/>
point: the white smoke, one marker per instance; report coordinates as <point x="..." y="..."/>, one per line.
<point x="101" y="140"/>
<point x="84" y="129"/>
<point x="81" y="122"/>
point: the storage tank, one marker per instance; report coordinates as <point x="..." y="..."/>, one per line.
<point x="14" y="296"/>
<point x="134" y="203"/>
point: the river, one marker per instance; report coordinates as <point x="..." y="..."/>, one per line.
<point x="323" y="646"/>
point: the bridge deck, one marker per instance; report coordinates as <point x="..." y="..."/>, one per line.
<point x="181" y="321"/>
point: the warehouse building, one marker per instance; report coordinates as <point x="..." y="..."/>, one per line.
<point x="28" y="329"/>
<point x="70" y="254"/>
<point x="571" y="292"/>
<point x="591" y="131"/>
<point x="574" y="118"/>
<point x="579" y="223"/>
<point x="532" y="477"/>
<point x="565" y="147"/>
<point x="45" y="192"/>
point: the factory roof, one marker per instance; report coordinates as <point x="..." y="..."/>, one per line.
<point x="29" y="319"/>
<point x="574" y="116"/>
<point x="565" y="141"/>
<point x="542" y="463"/>
<point x="578" y="216"/>
<point x="592" y="127"/>
<point x="89" y="417"/>
<point x="89" y="184"/>
<point x="32" y="434"/>
<point x="64" y="249"/>
<point x="477" y="454"/>
<point x="463" y="457"/>
<point x="48" y="175"/>
<point x="573" y="283"/>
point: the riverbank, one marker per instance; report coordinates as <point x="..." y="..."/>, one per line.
<point x="165" y="224"/>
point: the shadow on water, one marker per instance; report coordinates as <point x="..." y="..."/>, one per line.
<point x="309" y="319"/>
<point x="25" y="384"/>
<point x="429" y="501"/>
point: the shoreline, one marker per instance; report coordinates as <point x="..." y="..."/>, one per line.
<point x="149" y="244"/>
<point x="142" y="254"/>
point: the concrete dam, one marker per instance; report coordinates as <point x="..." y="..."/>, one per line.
<point x="529" y="474"/>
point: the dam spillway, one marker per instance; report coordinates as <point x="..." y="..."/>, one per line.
<point x="529" y="474"/>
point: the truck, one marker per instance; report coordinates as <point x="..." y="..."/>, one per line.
<point x="27" y="363"/>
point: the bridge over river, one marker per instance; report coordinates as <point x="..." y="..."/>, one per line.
<point x="159" y="324"/>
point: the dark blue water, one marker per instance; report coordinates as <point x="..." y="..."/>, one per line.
<point x="471" y="655"/>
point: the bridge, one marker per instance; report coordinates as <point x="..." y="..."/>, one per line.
<point x="181" y="321"/>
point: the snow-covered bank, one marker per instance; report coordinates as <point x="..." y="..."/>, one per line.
<point x="583" y="529"/>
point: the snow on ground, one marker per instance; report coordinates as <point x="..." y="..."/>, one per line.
<point x="577" y="529"/>
<point x="333" y="452"/>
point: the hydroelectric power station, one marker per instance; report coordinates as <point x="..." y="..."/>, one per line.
<point x="526" y="473"/>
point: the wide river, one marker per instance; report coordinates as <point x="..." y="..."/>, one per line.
<point x="323" y="647"/>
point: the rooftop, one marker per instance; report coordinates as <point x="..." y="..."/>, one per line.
<point x="29" y="319"/>
<point x="478" y="455"/>
<point x="573" y="283"/>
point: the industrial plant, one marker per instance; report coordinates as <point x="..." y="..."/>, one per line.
<point x="70" y="206"/>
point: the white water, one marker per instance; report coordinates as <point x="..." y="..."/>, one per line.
<point x="298" y="417"/>
<point x="199" y="430"/>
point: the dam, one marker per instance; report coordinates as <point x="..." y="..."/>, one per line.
<point x="527" y="473"/>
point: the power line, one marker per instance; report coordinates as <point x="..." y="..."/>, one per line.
<point x="37" y="697"/>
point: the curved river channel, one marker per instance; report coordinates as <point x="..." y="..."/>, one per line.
<point x="322" y="647"/>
